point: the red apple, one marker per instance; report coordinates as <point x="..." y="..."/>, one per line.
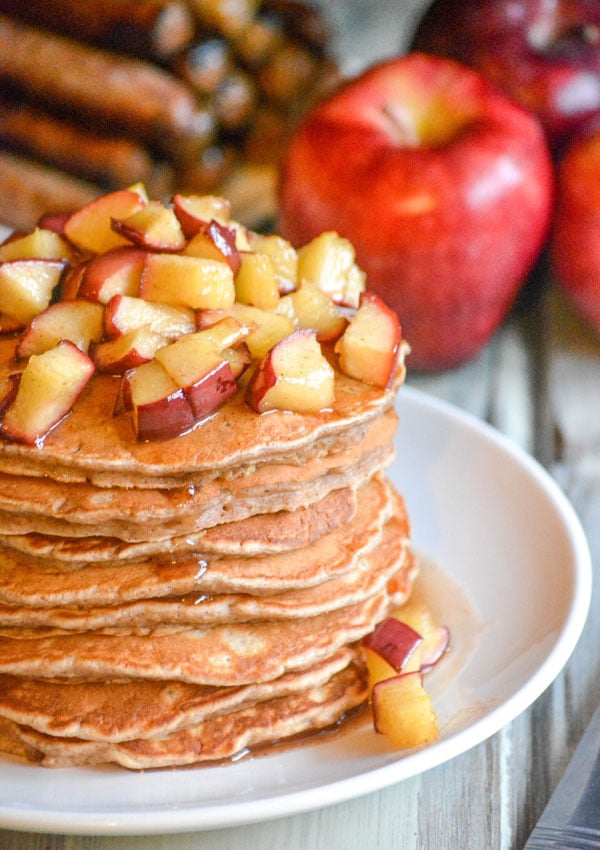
<point x="575" y="249"/>
<point x="546" y="55"/>
<point x="442" y="184"/>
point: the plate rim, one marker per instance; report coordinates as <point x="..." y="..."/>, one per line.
<point x="198" y="817"/>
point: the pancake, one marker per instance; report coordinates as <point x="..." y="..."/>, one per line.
<point x="80" y="510"/>
<point x="222" y="736"/>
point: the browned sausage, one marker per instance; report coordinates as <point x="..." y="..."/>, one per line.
<point x="114" y="90"/>
<point x="148" y="28"/>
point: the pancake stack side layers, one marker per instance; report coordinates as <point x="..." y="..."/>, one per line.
<point x="182" y="587"/>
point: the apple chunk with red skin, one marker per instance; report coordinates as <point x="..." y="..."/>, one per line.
<point x="436" y="638"/>
<point x="26" y="286"/>
<point x="126" y="351"/>
<point x="160" y="407"/>
<point x="294" y="375"/>
<point x="81" y="322"/>
<point x="215" y="241"/>
<point x="403" y="711"/>
<point x="544" y="55"/>
<point x="442" y="184"/>
<point x="124" y="313"/>
<point x="196" y="211"/>
<point x="154" y="227"/>
<point x="90" y="227"/>
<point x="575" y="246"/>
<point x="118" y="272"/>
<point x="48" y="388"/>
<point x="369" y="348"/>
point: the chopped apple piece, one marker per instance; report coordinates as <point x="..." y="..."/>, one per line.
<point x="436" y="639"/>
<point x="71" y="281"/>
<point x="239" y="359"/>
<point x="154" y="227"/>
<point x="196" y="362"/>
<point x="124" y="313"/>
<point x="188" y="281"/>
<point x="55" y="221"/>
<point x="294" y="376"/>
<point x="215" y="241"/>
<point x="118" y="272"/>
<point x="403" y="712"/>
<point x="160" y="407"/>
<point x="395" y="643"/>
<point x="40" y="244"/>
<point x="26" y="286"/>
<point x="255" y="282"/>
<point x="314" y="309"/>
<point x="127" y="351"/>
<point x="49" y="386"/>
<point x="266" y="328"/>
<point x="195" y="211"/>
<point x="90" y="228"/>
<point x="369" y="347"/>
<point x="283" y="256"/>
<point x="328" y="261"/>
<point x="81" y="322"/>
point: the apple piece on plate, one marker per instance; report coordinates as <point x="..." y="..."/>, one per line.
<point x="329" y="261"/>
<point x="124" y="313"/>
<point x="116" y="272"/>
<point x="49" y="386"/>
<point x="126" y="351"/>
<point x="154" y="227"/>
<point x="403" y="711"/>
<point x="188" y="281"/>
<point x="215" y="241"/>
<point x="160" y="407"/>
<point x="81" y="322"/>
<point x="26" y="286"/>
<point x="283" y="256"/>
<point x="443" y="185"/>
<point x="40" y="244"/>
<point x="196" y="211"/>
<point x="294" y="375"/>
<point x="90" y="228"/>
<point x="394" y="641"/>
<point x="255" y="282"/>
<point x="370" y="346"/>
<point x="436" y="639"/>
<point x="314" y="309"/>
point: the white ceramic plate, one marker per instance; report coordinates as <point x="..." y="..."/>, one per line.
<point x="515" y="592"/>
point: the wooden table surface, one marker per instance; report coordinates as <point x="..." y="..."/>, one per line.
<point x="537" y="381"/>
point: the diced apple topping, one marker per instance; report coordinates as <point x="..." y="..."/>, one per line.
<point x="189" y="281"/>
<point x="370" y="346"/>
<point x="283" y="256"/>
<point x="154" y="227"/>
<point x="118" y="272"/>
<point x="90" y="228"/>
<point x="403" y="711"/>
<point x="181" y="301"/>
<point x="436" y="638"/>
<point x="215" y="241"/>
<point x="391" y="648"/>
<point x="78" y="321"/>
<point x="41" y="244"/>
<point x="26" y="286"/>
<point x="124" y="313"/>
<point x="255" y="282"/>
<point x="195" y="211"/>
<point x="160" y="407"/>
<point x="128" y="350"/>
<point x="47" y="390"/>
<point x="294" y="375"/>
<point x="328" y="261"/>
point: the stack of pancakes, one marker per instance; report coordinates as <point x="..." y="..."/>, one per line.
<point x="190" y="600"/>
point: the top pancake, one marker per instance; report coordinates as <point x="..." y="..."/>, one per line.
<point x="93" y="445"/>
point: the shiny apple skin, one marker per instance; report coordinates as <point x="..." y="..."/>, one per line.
<point x="546" y="55"/>
<point x="575" y="250"/>
<point x="446" y="231"/>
